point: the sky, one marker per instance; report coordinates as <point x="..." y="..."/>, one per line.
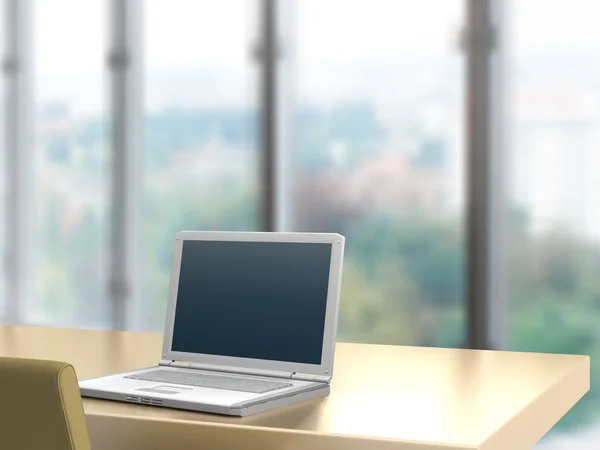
<point x="333" y="46"/>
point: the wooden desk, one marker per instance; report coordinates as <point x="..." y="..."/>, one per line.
<point x="382" y="398"/>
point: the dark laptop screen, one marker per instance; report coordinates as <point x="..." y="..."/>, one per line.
<point x="263" y="300"/>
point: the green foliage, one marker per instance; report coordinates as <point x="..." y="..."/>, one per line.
<point x="70" y="284"/>
<point x="403" y="282"/>
<point x="556" y="300"/>
<point x="431" y="253"/>
<point x="376" y="312"/>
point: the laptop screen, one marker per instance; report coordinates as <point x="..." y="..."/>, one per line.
<point x="262" y="300"/>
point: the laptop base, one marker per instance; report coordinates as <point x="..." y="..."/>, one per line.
<point x="253" y="407"/>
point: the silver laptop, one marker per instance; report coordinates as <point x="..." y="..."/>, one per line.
<point x="251" y="324"/>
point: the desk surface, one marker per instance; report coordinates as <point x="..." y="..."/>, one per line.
<point x="382" y="397"/>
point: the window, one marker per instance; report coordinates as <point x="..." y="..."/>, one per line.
<point x="553" y="137"/>
<point x="71" y="164"/>
<point x="378" y="155"/>
<point x="201" y="130"/>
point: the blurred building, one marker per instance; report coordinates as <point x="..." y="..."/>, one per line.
<point x="555" y="157"/>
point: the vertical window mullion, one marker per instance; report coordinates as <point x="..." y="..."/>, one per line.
<point x="268" y="115"/>
<point x="284" y="119"/>
<point x="486" y="296"/>
<point x="19" y="158"/>
<point x="477" y="41"/>
<point x="125" y="64"/>
<point x="498" y="196"/>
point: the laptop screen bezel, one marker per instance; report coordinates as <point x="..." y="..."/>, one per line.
<point x="331" y="312"/>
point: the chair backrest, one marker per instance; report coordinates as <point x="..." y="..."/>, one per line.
<point x="40" y="406"/>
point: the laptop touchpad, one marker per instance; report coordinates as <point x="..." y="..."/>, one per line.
<point x="165" y="389"/>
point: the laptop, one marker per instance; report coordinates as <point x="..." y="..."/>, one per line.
<point x="250" y="325"/>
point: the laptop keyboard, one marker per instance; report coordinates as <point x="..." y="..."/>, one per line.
<point x="240" y="384"/>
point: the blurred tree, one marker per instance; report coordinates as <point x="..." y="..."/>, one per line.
<point x="374" y="312"/>
<point x="555" y="298"/>
<point x="431" y="253"/>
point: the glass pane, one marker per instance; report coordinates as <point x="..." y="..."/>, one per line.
<point x="201" y="130"/>
<point x="378" y="155"/>
<point x="71" y="164"/>
<point x="553" y="131"/>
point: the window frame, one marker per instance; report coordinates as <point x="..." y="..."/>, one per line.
<point x="482" y="43"/>
<point x="19" y="226"/>
<point x="125" y="65"/>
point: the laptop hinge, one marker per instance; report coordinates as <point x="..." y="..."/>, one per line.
<point x="226" y="369"/>
<point x="246" y="371"/>
<point x="309" y="377"/>
<point x="179" y="364"/>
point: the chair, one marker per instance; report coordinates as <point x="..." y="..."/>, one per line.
<point x="40" y="406"/>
